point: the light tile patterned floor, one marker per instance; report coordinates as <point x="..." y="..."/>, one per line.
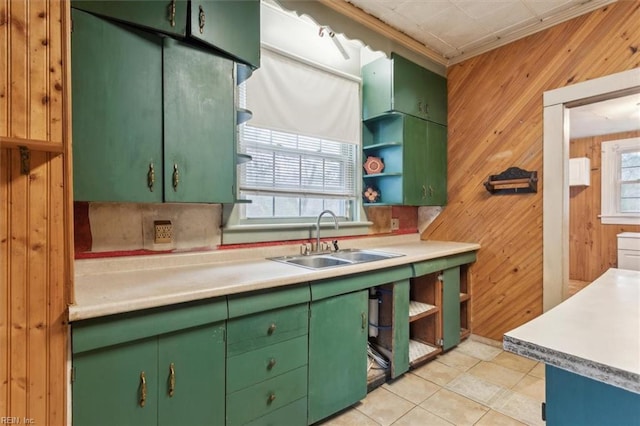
<point x="474" y="384"/>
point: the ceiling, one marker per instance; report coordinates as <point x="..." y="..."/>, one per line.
<point x="606" y="117"/>
<point x="460" y="29"/>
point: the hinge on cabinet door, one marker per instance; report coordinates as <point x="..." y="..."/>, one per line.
<point x="544" y="412"/>
<point x="440" y="277"/>
<point x="440" y="342"/>
<point x="25" y="160"/>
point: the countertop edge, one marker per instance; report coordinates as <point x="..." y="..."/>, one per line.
<point x="583" y="367"/>
<point x="78" y="312"/>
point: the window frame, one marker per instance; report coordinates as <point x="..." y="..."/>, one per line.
<point x="610" y="183"/>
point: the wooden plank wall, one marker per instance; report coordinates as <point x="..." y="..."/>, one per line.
<point x="593" y="246"/>
<point x="495" y="122"/>
<point x="34" y="215"/>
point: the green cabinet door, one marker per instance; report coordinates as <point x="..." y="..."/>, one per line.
<point x="232" y="26"/>
<point x="450" y="308"/>
<point x="116" y="385"/>
<point x="425" y="163"/>
<point x="199" y="125"/>
<point x="191" y="376"/>
<point x="337" y="353"/>
<point x="117" y="111"/>
<point x="167" y="16"/>
<point x="415" y="146"/>
<point x="436" y="165"/>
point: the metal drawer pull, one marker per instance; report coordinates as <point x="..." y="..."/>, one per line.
<point x="151" y="177"/>
<point x="271" y="329"/>
<point x="176" y="177"/>
<point x="363" y="316"/>
<point x="201" y="20"/>
<point x="143" y="389"/>
<point x="424" y="191"/>
<point x="172" y="13"/>
<point x="272" y="397"/>
<point x="172" y="379"/>
<point x="271" y="364"/>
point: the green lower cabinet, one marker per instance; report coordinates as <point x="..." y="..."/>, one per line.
<point x="117" y="385"/>
<point x="450" y="308"/>
<point x="338" y="332"/>
<point x="191" y="377"/>
<point x="176" y="378"/>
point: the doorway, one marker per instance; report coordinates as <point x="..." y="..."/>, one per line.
<point x="555" y="216"/>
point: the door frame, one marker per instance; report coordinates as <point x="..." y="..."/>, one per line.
<point x="555" y="197"/>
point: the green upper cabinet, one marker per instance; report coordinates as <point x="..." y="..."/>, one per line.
<point x="400" y="85"/>
<point x="117" y="111"/>
<point x="338" y="333"/>
<point x="414" y="153"/>
<point x="167" y="16"/>
<point x="233" y="26"/>
<point x="153" y="119"/>
<point x="230" y="26"/>
<point x="199" y="125"/>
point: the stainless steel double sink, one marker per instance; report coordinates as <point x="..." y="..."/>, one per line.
<point x="335" y="259"/>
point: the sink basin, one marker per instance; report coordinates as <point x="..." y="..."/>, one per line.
<point x="316" y="262"/>
<point x="335" y="259"/>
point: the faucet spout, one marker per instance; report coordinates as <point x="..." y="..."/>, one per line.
<point x="335" y="221"/>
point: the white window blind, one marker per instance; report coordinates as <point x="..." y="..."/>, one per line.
<point x="303" y="140"/>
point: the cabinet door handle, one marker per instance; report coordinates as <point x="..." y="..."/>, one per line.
<point x="271" y="328"/>
<point x="271" y="398"/>
<point x="424" y="191"/>
<point x="271" y="364"/>
<point x="176" y="177"/>
<point x="143" y="389"/>
<point x="430" y="191"/>
<point x="172" y="13"/>
<point x="151" y="177"/>
<point x="172" y="379"/>
<point x="201" y="19"/>
<point x="363" y="317"/>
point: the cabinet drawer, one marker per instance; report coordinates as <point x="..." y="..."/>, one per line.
<point x="266" y="397"/>
<point x="267" y="328"/>
<point x="261" y="364"/>
<point x="293" y="414"/>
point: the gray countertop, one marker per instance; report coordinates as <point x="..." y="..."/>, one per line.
<point x="117" y="285"/>
<point x="595" y="333"/>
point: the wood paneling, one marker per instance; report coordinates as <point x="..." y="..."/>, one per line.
<point x="495" y="122"/>
<point x="35" y="217"/>
<point x="593" y="246"/>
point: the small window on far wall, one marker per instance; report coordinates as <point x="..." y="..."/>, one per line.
<point x="620" y="202"/>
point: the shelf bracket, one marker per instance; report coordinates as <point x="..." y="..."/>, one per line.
<point x="25" y="160"/>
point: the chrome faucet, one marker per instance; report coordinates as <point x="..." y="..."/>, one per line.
<point x="335" y="220"/>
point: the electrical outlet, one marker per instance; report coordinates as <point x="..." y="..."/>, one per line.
<point x="395" y="224"/>
<point x="163" y="231"/>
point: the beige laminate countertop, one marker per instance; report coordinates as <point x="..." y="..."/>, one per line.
<point x="595" y="333"/>
<point x="116" y="285"/>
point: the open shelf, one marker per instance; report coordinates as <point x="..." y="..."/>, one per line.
<point x="464" y="333"/>
<point x="421" y="351"/>
<point x="464" y="297"/>
<point x="419" y="310"/>
<point x="377" y="146"/>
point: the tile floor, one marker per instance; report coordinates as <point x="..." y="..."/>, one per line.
<point x="474" y="384"/>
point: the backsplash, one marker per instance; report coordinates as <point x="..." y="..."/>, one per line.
<point x="120" y="229"/>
